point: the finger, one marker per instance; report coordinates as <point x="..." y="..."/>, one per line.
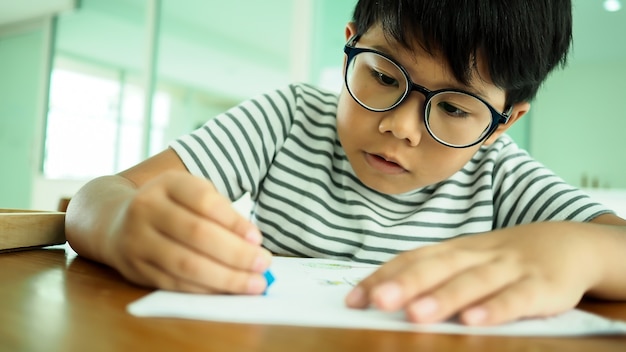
<point x="201" y="196"/>
<point x="211" y="239"/>
<point x="359" y="296"/>
<point x="189" y="266"/>
<point x="146" y="257"/>
<point x="152" y="276"/>
<point x="523" y="299"/>
<point x="421" y="277"/>
<point x="409" y="275"/>
<point x="467" y="287"/>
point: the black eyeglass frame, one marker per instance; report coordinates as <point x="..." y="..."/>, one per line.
<point x="497" y="117"/>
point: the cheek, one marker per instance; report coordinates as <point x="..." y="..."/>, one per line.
<point x="353" y="121"/>
<point x="450" y="160"/>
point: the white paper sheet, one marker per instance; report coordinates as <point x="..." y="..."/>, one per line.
<point x="311" y="292"/>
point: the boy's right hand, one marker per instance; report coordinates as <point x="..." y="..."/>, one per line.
<point x="178" y="233"/>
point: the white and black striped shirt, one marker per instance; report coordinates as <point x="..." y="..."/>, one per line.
<point x="282" y="149"/>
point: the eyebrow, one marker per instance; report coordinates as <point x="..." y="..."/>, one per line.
<point x="459" y="86"/>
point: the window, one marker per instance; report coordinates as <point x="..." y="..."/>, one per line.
<point x="95" y="122"/>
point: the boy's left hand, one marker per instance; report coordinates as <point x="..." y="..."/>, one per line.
<point x="532" y="270"/>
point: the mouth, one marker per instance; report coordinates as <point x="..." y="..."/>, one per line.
<point x="384" y="165"/>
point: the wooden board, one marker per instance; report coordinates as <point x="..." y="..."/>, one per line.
<point x="23" y="229"/>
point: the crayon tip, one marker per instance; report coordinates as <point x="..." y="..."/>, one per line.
<point x="269" y="278"/>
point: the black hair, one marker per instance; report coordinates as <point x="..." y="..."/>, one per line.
<point x="522" y="40"/>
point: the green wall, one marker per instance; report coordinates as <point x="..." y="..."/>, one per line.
<point x="22" y="57"/>
<point x="579" y="129"/>
<point x="328" y="35"/>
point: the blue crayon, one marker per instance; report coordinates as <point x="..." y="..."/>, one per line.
<point x="269" y="278"/>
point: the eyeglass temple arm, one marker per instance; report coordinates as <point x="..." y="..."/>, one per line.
<point x="505" y="116"/>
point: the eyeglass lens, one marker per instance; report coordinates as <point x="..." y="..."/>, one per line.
<point x="454" y="118"/>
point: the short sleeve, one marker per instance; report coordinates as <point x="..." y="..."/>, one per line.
<point x="526" y="191"/>
<point x="235" y="149"/>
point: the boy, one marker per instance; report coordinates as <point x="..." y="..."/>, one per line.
<point x="409" y="167"/>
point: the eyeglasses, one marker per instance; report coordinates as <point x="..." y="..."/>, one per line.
<point x="453" y="117"/>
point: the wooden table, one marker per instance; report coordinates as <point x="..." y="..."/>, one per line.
<point x="52" y="300"/>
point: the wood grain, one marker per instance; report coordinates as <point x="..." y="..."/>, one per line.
<point x="53" y="300"/>
<point x="23" y="229"/>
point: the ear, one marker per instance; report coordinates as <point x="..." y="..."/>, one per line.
<point x="350" y="30"/>
<point x="519" y="110"/>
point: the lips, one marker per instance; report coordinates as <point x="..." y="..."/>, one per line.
<point x="383" y="164"/>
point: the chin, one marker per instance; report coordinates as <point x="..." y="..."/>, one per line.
<point x="388" y="187"/>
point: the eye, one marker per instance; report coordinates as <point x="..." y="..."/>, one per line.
<point x="384" y="79"/>
<point x="452" y="110"/>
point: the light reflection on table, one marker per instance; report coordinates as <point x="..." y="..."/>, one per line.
<point x="52" y="300"/>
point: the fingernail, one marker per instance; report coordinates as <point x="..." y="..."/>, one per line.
<point x="356" y="298"/>
<point x="475" y="316"/>
<point x="256" y="284"/>
<point x="254" y="236"/>
<point x="261" y="263"/>
<point x="387" y="296"/>
<point x="424" y="308"/>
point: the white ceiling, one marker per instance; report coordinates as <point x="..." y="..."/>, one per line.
<point x="598" y="34"/>
<point x="21" y="10"/>
<point x="236" y="56"/>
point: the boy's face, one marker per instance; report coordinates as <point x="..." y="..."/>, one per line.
<point x="392" y="151"/>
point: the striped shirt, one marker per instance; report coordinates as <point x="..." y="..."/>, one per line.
<point x="282" y="148"/>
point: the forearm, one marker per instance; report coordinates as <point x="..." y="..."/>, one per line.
<point x="93" y="211"/>
<point x="610" y="247"/>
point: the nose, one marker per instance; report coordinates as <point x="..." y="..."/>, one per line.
<point x="405" y="121"/>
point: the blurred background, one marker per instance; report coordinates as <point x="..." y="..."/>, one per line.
<point x="92" y="87"/>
